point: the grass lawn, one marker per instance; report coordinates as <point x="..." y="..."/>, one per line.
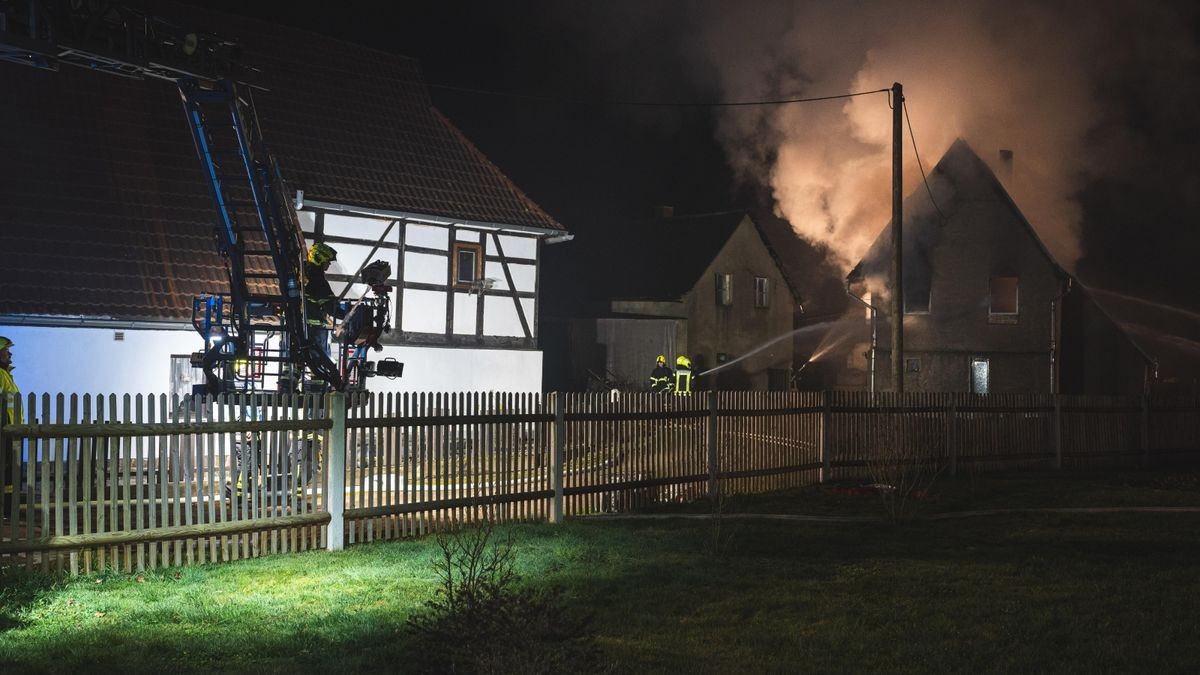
<point x="1019" y="592"/>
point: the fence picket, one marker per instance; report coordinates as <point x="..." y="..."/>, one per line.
<point x="422" y="461"/>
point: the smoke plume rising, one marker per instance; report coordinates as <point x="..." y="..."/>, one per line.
<point x="1000" y="74"/>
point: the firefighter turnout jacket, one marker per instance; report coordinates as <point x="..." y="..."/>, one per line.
<point x="661" y="379"/>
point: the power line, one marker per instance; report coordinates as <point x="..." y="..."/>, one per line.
<point x="919" y="164"/>
<point x="651" y="104"/>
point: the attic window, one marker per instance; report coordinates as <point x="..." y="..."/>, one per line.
<point x="468" y="263"/>
<point x="724" y="290"/>
<point x="1003" y="308"/>
<point x="762" y="292"/>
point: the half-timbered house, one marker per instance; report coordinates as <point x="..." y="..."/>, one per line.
<point x="106" y="223"/>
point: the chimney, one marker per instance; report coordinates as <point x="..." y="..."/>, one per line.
<point x="1006" y="166"/>
<point x="664" y="211"/>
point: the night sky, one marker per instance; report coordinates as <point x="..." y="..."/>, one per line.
<point x="1127" y="123"/>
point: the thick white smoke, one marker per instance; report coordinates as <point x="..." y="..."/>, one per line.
<point x="998" y="73"/>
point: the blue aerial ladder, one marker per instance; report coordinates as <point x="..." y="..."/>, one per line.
<point x="258" y="332"/>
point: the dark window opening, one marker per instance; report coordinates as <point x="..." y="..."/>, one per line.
<point x="1004" y="295"/>
<point x="724" y="290"/>
<point x="468" y="263"/>
<point x="916" y="297"/>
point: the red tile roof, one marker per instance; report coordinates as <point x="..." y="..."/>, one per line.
<point x="103" y="208"/>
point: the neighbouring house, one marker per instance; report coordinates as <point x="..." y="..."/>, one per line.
<point x="987" y="309"/>
<point x="106" y="225"/>
<point x="707" y="286"/>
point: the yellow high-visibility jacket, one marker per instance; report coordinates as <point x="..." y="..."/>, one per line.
<point x="9" y="386"/>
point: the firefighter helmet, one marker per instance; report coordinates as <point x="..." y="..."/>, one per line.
<point x="661" y="360"/>
<point x="5" y="343"/>
<point x="321" y="253"/>
<point x="683" y="361"/>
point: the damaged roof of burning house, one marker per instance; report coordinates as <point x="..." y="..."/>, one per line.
<point x="961" y="233"/>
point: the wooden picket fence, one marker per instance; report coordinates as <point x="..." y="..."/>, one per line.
<point x="139" y="482"/>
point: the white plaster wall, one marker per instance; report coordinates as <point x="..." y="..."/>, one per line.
<point x="514" y="247"/>
<point x="438" y="369"/>
<point x="359" y="227"/>
<point x="464" y="313"/>
<point x="89" y="361"/>
<point x="425" y="268"/>
<point x="500" y="316"/>
<point x="524" y="276"/>
<point x="427" y="236"/>
<point x="424" y="312"/>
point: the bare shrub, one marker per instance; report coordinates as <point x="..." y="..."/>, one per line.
<point x="483" y="620"/>
<point x="903" y="469"/>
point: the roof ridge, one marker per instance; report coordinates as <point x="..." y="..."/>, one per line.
<point x="528" y="203"/>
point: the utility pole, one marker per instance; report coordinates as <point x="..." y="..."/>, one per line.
<point x="897" y="239"/>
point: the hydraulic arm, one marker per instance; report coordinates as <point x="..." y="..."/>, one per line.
<point x="262" y="321"/>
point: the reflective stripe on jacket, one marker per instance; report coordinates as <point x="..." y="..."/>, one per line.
<point x="9" y="386"/>
<point x="683" y="382"/>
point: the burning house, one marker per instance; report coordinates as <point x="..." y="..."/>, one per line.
<point x="987" y="309"/>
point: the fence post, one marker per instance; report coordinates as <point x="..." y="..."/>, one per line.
<point x="556" y="458"/>
<point x="1145" y="428"/>
<point x="952" y="434"/>
<point x="1058" y="431"/>
<point x="826" y="433"/>
<point x="335" y="461"/>
<point x="713" y="492"/>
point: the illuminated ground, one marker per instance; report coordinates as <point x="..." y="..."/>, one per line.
<point x="1024" y="592"/>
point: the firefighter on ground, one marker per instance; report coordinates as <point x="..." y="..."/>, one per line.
<point x="320" y="302"/>
<point x="683" y="376"/>
<point x="8" y="386"/>
<point x="661" y="377"/>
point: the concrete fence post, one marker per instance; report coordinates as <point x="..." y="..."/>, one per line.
<point x="826" y="436"/>
<point x="557" y="457"/>
<point x="1058" y="432"/>
<point x="713" y="489"/>
<point x="335" y="463"/>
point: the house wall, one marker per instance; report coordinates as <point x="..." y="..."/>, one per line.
<point x="983" y="238"/>
<point x="739" y="328"/>
<point x="980" y="241"/>
<point x="78" y="360"/>
<point x="429" y="306"/>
